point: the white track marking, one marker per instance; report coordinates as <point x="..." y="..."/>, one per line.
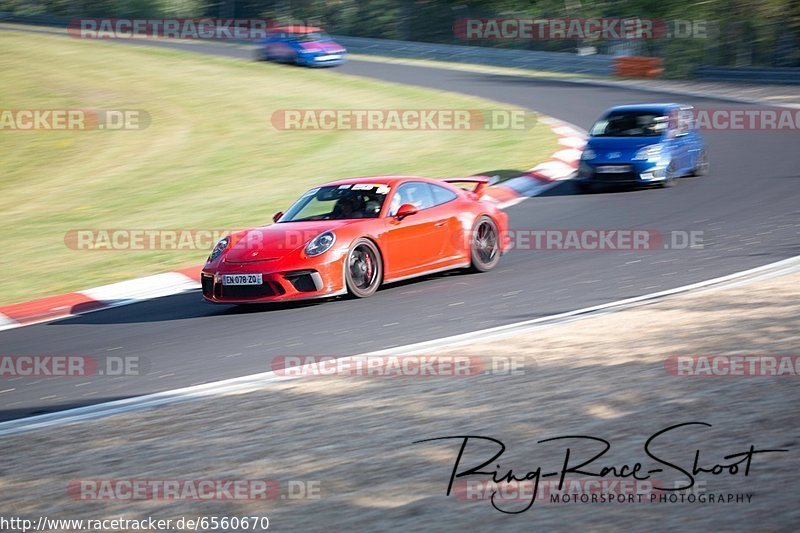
<point x="145" y="288"/>
<point x="257" y="381"/>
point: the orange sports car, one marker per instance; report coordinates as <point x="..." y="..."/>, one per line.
<point x="353" y="235"/>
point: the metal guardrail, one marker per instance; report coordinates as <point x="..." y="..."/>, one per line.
<point x="749" y="74"/>
<point x="551" y="61"/>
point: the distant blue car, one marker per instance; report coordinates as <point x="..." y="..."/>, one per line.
<point x="302" y="45"/>
<point x="643" y="144"/>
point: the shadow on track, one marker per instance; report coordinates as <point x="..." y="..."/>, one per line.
<point x="190" y="305"/>
<point x="35" y="410"/>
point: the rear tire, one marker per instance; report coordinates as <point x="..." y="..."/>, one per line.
<point x="363" y="269"/>
<point x="484" y="245"/>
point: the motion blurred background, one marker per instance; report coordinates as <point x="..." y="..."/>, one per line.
<point x="742" y="32"/>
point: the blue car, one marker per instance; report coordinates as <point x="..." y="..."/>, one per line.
<point x="642" y="145"/>
<point x="302" y="45"/>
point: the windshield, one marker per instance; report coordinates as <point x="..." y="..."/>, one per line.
<point x="312" y="36"/>
<point x="630" y="124"/>
<point x="339" y="202"/>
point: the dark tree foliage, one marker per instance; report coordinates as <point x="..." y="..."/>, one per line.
<point x="736" y="32"/>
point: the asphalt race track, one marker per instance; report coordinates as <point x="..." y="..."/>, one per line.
<point x="747" y="209"/>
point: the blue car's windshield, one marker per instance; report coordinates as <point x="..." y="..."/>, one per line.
<point x="314" y="36"/>
<point x="630" y="124"/>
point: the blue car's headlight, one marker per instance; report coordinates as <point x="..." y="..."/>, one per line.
<point x="650" y="153"/>
<point x="219" y="248"/>
<point x="588" y="154"/>
<point x="320" y="244"/>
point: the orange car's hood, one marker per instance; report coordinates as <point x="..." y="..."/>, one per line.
<point x="275" y="241"/>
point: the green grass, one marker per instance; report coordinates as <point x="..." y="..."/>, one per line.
<point x="209" y="159"/>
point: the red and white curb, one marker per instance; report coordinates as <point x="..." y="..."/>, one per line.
<point x="107" y="296"/>
<point x="559" y="167"/>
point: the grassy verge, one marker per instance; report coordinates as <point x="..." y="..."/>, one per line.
<point x="210" y="157"/>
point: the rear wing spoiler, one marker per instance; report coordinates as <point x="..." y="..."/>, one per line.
<point x="481" y="182"/>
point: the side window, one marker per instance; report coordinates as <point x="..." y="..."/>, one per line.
<point x="415" y="193"/>
<point x="685" y="121"/>
<point x="673" y="121"/>
<point x="442" y="195"/>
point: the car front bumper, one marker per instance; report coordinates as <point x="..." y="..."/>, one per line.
<point x="323" y="60"/>
<point x="317" y="279"/>
<point x="641" y="172"/>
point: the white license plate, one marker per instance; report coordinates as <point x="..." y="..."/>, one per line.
<point x="241" y="279"/>
<point x="328" y="57"/>
<point x="613" y="169"/>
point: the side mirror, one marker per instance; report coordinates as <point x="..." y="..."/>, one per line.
<point x="277" y="216"/>
<point x="406" y="210"/>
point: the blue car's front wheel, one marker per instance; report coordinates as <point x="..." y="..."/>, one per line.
<point x="671" y="175"/>
<point x="701" y="164"/>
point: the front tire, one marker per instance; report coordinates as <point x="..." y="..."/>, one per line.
<point x="701" y="165"/>
<point x="363" y="269"/>
<point x="484" y="245"/>
<point x="671" y="178"/>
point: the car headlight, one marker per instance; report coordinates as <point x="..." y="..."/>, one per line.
<point x="219" y="248"/>
<point x="650" y="153"/>
<point x="320" y="244"/>
<point x="588" y="154"/>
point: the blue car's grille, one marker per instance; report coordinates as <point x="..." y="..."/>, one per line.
<point x="616" y="177"/>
